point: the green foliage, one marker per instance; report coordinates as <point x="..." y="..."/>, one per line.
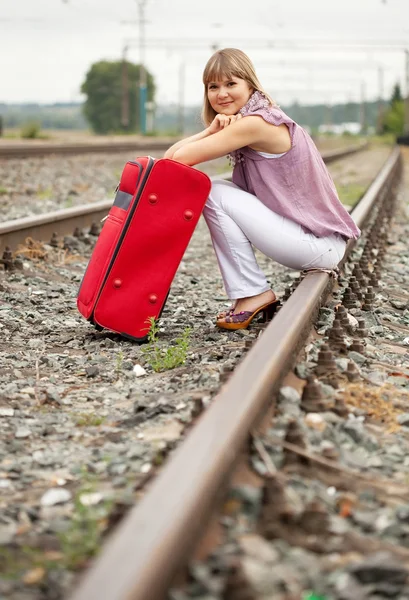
<point x="103" y="87"/>
<point x="44" y="193"/>
<point x="50" y="116"/>
<point x="162" y="359"/>
<point x="30" y="130"/>
<point x="82" y="539"/>
<point x="119" y="363"/>
<point x="396" y="94"/>
<point x="69" y="202"/>
<point x="79" y="542"/>
<point x="70" y="116"/>
<point x="394" y="118"/>
<point x="350" y="193"/>
<point x="89" y="420"/>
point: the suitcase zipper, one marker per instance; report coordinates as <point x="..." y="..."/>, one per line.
<point x="125" y="227"/>
<point x="106" y="216"/>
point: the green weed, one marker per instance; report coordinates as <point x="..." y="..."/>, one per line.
<point x="31" y="130"/>
<point x="3" y="191"/>
<point x="44" y="193"/>
<point x="119" y="363"/>
<point x="69" y="202"/>
<point x="351" y="193"/>
<point x="89" y="420"/>
<point x="82" y="539"/>
<point x="162" y="359"/>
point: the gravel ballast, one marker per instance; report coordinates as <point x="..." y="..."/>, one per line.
<point x="324" y="515"/>
<point x="39" y="185"/>
<point x="85" y="421"/>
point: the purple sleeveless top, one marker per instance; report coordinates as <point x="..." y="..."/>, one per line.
<point x="296" y="185"/>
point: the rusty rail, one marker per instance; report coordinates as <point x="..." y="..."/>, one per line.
<point x="141" y="146"/>
<point x="28" y="150"/>
<point x="64" y="221"/>
<point x="155" y="538"/>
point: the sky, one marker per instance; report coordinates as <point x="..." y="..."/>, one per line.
<point x="304" y="50"/>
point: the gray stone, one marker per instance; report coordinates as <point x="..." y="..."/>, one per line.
<point x="395" y="450"/>
<point x="91" y="371"/>
<point x="22" y="432"/>
<point x="380" y="567"/>
<point x="342" y="363"/>
<point x="55" y="496"/>
<point x="403" y="419"/>
<point x="289" y="394"/>
<point x="258" y="548"/>
<point x="358" y="358"/>
<point x="375" y="462"/>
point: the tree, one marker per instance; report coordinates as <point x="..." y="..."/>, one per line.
<point x="105" y="88"/>
<point x="396" y="94"/>
<point x="394" y="118"/>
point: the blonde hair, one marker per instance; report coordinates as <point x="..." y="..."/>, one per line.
<point x="228" y="63"/>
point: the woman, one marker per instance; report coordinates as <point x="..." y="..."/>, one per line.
<point x="282" y="199"/>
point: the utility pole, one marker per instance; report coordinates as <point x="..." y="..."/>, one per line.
<point x="143" y="88"/>
<point x="125" y="90"/>
<point x="181" y="107"/>
<point x="362" y="110"/>
<point x="406" y="123"/>
<point x="380" y="100"/>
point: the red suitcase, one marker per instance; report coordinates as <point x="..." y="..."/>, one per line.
<point x="157" y="206"/>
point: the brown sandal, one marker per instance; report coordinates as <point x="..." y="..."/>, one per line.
<point x="243" y="319"/>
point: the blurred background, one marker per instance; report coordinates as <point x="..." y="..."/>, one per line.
<point x="135" y="66"/>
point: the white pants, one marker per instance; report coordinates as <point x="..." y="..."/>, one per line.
<point x="238" y="221"/>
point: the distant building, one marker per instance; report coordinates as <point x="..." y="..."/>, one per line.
<point x="352" y="128"/>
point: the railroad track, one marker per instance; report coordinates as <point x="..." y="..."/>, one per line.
<point x="143" y="147"/>
<point x="156" y="538"/>
<point x="165" y="548"/>
<point x="43" y="149"/>
<point x="64" y="221"/>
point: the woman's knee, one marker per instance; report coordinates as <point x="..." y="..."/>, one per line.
<point x="214" y="201"/>
<point x="216" y="192"/>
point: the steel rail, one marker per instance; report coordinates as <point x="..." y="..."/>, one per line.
<point x="334" y="155"/>
<point x="142" y="146"/>
<point x="154" y="540"/>
<point x="64" y="221"/>
<point x="61" y="222"/>
<point x="27" y="150"/>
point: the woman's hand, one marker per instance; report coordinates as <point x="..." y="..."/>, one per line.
<point x="222" y="121"/>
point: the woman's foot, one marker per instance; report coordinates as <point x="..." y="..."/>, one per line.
<point x="248" y="304"/>
<point x="229" y="311"/>
<point x="246" y="309"/>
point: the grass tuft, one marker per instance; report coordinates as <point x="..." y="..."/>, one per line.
<point x="162" y="359"/>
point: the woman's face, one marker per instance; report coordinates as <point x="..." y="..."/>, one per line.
<point x="228" y="96"/>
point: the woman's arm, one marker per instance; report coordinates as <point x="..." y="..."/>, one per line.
<point x="193" y="138"/>
<point x="242" y="132"/>
<point x="218" y="123"/>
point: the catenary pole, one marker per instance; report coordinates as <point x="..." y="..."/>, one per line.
<point x="125" y="90"/>
<point x="406" y="125"/>
<point x="181" y="107"/>
<point x="142" y="71"/>
<point x="380" y="101"/>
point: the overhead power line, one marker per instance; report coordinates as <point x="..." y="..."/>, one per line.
<point x="301" y="44"/>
